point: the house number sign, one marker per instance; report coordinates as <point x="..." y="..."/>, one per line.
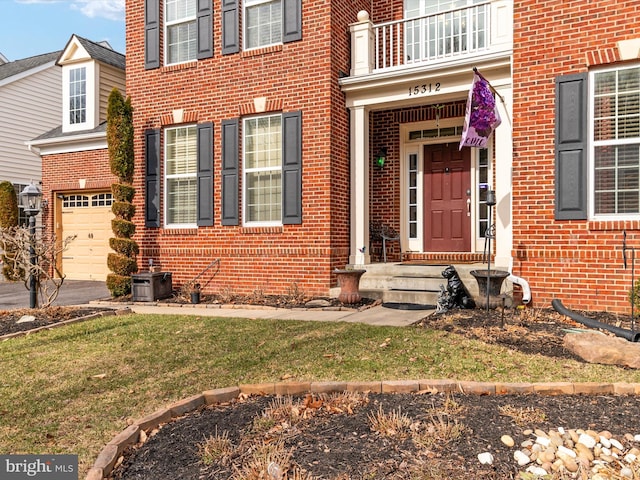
<point x="424" y="89"/>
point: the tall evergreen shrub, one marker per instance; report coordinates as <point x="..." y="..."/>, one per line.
<point x="8" y="220"/>
<point x="123" y="260"/>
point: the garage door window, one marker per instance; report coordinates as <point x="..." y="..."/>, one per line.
<point x="102" y="200"/>
<point x="75" y="201"/>
<point x="85" y="201"/>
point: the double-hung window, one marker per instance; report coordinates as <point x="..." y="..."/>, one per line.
<point x="615" y="141"/>
<point x="77" y="96"/>
<point x="181" y="182"/>
<point x="180" y="31"/>
<point x="262" y="169"/>
<point x="263" y="23"/>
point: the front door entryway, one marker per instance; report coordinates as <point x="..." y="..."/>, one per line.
<point x="447" y="198"/>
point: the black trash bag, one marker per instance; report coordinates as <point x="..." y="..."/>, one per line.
<point x="456" y="294"/>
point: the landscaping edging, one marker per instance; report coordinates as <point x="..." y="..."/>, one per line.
<point x="110" y="454"/>
<point x="91" y="316"/>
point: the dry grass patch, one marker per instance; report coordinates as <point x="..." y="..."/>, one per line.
<point x="523" y="416"/>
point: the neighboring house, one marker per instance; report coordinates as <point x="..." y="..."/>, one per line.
<point x="30" y="101"/>
<point x="576" y="170"/>
<point x="258" y="124"/>
<point x="76" y="177"/>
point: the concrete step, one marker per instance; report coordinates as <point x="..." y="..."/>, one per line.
<point x="411" y="283"/>
<point x="403" y="296"/>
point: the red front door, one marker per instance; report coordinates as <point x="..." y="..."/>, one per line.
<point x="447" y="193"/>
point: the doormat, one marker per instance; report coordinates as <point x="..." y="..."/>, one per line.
<point x="408" y="306"/>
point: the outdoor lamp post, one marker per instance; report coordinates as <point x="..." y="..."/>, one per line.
<point x="30" y="202"/>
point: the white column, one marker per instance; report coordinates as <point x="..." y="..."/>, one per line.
<point x="503" y="144"/>
<point x="359" y="187"/>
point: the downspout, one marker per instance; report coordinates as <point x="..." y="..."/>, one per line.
<point x="526" y="291"/>
<point x="589" y="322"/>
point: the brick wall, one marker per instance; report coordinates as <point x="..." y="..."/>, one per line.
<point x="579" y="262"/>
<point x="62" y="173"/>
<point x="300" y="75"/>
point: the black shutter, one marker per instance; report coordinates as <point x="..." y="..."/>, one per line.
<point x="291" y="20"/>
<point x="152" y="178"/>
<point x="205" y="175"/>
<point x="571" y="147"/>
<point x="151" y="34"/>
<point x="230" y="26"/>
<point x="205" y="29"/>
<point x="230" y="163"/>
<point x="292" y="168"/>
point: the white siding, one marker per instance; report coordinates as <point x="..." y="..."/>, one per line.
<point x="29" y="107"/>
<point x="110" y="77"/>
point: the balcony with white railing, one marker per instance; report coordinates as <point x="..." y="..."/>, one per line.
<point x="453" y="35"/>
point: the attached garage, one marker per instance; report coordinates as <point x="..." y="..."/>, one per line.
<point x="88" y="216"/>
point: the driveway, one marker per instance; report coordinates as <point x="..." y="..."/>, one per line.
<point x="73" y="292"/>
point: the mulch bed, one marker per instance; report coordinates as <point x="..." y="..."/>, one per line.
<point x="41" y="317"/>
<point x="343" y="446"/>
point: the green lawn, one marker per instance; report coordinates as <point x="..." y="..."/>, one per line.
<point x="71" y="389"/>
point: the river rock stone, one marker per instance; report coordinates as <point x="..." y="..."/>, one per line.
<point x="507" y="440"/>
<point x="604" y="349"/>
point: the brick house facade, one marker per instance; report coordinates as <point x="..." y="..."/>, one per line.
<point x="571" y="202"/>
<point x="254" y="136"/>
<point x="295" y="78"/>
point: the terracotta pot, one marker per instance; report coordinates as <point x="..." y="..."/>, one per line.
<point x="349" y="282"/>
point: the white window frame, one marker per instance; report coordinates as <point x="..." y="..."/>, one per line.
<point x="592" y="144"/>
<point x="187" y="20"/>
<point x="191" y="151"/>
<point x="90" y="97"/>
<point x="246" y="171"/>
<point x="249" y="4"/>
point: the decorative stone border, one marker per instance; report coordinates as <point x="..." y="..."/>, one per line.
<point x="109" y="455"/>
<point x="106" y="313"/>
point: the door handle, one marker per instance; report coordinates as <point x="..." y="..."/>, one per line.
<point x="468" y="207"/>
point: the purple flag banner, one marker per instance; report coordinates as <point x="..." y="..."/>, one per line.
<point x="481" y="116"/>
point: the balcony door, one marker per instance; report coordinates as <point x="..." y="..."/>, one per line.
<point x="443" y="28"/>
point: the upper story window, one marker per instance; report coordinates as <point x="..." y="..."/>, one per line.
<point x="615" y="107"/>
<point x="263" y="169"/>
<point x="77" y="95"/>
<point x="263" y="23"/>
<point x="180" y="31"/>
<point x="181" y="182"/>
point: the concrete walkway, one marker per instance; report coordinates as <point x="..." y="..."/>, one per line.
<point x="378" y="315"/>
<point x="77" y="292"/>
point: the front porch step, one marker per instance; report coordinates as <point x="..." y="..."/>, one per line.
<point x="413" y="283"/>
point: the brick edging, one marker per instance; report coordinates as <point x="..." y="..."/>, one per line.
<point x="109" y="455"/>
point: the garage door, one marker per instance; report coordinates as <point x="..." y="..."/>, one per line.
<point x="88" y="216"/>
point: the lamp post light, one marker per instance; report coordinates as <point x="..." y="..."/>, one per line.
<point x="30" y="202"/>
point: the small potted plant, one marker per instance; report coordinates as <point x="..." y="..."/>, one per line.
<point x="195" y="293"/>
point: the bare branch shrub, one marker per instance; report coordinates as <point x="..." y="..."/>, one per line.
<point x="49" y="278"/>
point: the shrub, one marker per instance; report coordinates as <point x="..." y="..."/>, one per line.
<point x="118" y="285"/>
<point x="123" y="228"/>
<point x="8" y="220"/>
<point x="123" y="210"/>
<point x="124" y="246"/>
<point x="122" y="192"/>
<point x="121" y="265"/>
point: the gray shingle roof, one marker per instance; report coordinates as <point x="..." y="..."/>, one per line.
<point x="103" y="54"/>
<point x="19" y="66"/>
<point x="57" y="132"/>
